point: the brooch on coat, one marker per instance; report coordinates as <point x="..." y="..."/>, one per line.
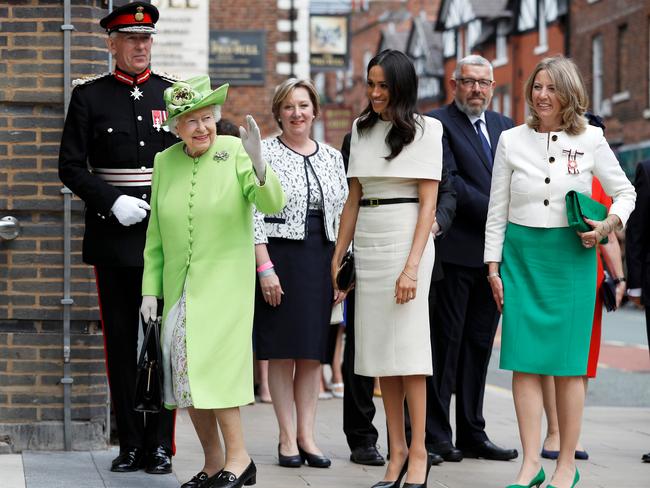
<point x="221" y="156"/>
<point x="572" y="160"/>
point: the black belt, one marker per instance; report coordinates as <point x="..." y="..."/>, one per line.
<point x="375" y="202"/>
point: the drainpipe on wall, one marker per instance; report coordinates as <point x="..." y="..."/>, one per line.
<point x="66" y="301"/>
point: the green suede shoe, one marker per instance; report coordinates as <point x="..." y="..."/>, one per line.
<point x="535" y="482"/>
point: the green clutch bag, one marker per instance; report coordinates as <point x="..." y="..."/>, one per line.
<point x="578" y="206"/>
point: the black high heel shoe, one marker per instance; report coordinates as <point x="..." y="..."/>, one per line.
<point x="396" y="483"/>
<point x="294" y="461"/>
<point x="426" y="478"/>
<point x="314" y="460"/>
<point x="226" y="479"/>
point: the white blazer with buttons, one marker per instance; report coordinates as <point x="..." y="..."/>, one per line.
<point x="533" y="172"/>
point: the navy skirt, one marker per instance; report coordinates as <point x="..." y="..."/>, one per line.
<point x="300" y="326"/>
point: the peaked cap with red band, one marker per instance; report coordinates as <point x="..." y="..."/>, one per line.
<point x="138" y="17"/>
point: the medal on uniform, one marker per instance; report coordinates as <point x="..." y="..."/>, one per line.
<point x="158" y="117"/>
<point x="136" y="93"/>
<point x="572" y="160"/>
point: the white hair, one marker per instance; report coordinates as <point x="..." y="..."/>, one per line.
<point x="173" y="123"/>
<point x="472" y="60"/>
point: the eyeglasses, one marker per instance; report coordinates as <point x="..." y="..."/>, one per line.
<point x="470" y="82"/>
<point x="194" y="123"/>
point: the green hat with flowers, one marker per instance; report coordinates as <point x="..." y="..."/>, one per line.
<point x="192" y="94"/>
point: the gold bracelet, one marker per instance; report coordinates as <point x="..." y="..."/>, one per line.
<point x="409" y="277"/>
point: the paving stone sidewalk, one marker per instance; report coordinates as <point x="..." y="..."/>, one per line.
<point x="614" y="437"/>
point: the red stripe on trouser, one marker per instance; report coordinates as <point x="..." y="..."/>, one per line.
<point x="101" y="321"/>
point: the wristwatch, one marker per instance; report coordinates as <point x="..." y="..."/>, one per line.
<point x="619" y="280"/>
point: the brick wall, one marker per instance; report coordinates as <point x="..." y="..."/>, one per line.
<point x="253" y="15"/>
<point x="31" y="266"/>
<point x="628" y="122"/>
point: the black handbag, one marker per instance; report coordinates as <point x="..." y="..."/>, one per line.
<point x="346" y="275"/>
<point x="149" y="379"/>
<point x="608" y="289"/>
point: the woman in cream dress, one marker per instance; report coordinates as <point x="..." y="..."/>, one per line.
<point x="395" y="166"/>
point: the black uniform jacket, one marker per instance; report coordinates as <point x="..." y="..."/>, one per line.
<point x="637" y="235"/>
<point x="111" y="125"/>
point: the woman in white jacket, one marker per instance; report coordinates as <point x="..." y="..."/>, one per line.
<point x="543" y="275"/>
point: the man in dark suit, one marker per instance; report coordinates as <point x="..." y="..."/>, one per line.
<point x="465" y="316"/>
<point x="112" y="132"/>
<point x="637" y="249"/>
<point x="358" y="407"/>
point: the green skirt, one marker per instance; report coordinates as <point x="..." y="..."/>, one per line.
<point x="549" y="282"/>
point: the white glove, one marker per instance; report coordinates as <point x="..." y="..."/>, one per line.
<point x="252" y="143"/>
<point x="129" y="210"/>
<point x="149" y="307"/>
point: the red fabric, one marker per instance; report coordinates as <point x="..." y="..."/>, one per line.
<point x="129" y="19"/>
<point x="598" y="194"/>
<point x="101" y="321"/>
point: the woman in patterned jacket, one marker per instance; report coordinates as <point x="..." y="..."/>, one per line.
<point x="293" y="250"/>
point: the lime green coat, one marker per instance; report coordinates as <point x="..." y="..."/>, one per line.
<point x="200" y="235"/>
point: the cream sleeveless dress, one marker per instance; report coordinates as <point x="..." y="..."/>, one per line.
<point x="391" y="339"/>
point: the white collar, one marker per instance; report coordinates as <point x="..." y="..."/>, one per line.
<point x="474" y="118"/>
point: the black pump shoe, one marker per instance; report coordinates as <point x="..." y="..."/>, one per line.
<point x="226" y="479"/>
<point x="294" y="461"/>
<point x="314" y="460"/>
<point x="396" y="483"/>
<point x="426" y="478"/>
<point x="200" y="480"/>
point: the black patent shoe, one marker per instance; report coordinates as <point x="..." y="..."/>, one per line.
<point x="129" y="460"/>
<point x="294" y="461"/>
<point x="426" y="478"/>
<point x="158" y="461"/>
<point x="446" y="451"/>
<point x="488" y="450"/>
<point x="396" y="483"/>
<point x="368" y="455"/>
<point x="200" y="480"/>
<point x="226" y="479"/>
<point x="314" y="460"/>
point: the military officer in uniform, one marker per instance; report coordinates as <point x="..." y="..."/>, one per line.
<point x="112" y="132"/>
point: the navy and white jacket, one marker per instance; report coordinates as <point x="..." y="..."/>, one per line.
<point x="292" y="169"/>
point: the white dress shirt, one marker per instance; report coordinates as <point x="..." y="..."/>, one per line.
<point x="474" y="118"/>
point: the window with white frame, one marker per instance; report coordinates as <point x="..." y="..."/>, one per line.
<point x="496" y="103"/>
<point x="597" y="73"/>
<point x="506" y="105"/>
<point x="502" y="43"/>
<point x="648" y="43"/>
<point x="622" y="66"/>
<point x="541" y="28"/>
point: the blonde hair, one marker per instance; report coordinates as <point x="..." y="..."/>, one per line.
<point x="283" y="90"/>
<point x="570" y="90"/>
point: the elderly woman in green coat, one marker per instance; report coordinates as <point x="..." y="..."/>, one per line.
<point x="199" y="256"/>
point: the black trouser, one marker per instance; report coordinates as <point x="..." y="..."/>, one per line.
<point x="120" y="296"/>
<point x="358" y="407"/>
<point x="464" y="325"/>
<point x="647" y="324"/>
